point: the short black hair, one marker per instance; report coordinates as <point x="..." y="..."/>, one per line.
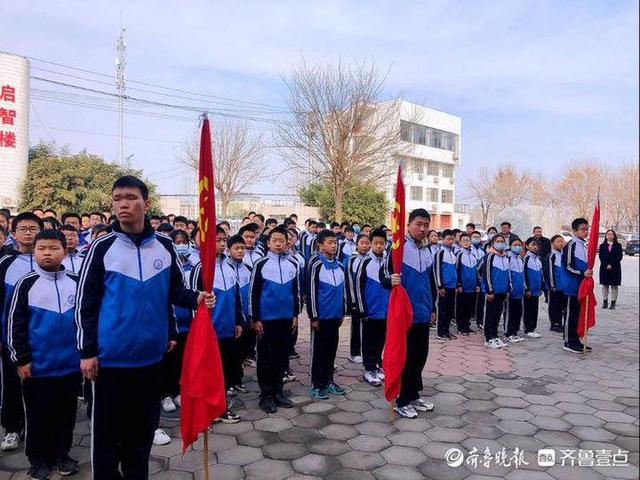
<point x="574" y="225"/>
<point x="155" y="217"/>
<point x="322" y="225"/>
<point x="129" y="181"/>
<point x="323" y="235"/>
<point x="514" y="239"/>
<point x="293" y="215"/>
<point x="311" y="222"/>
<point x="380" y="233"/>
<point x="505" y="223"/>
<point x="180" y="219"/>
<point x="293" y="232"/>
<point x="251" y="212"/>
<point x="223" y="222"/>
<point x="194" y="233"/>
<point x="271" y="221"/>
<point x="85" y="214"/>
<point x="67" y="215"/>
<point x="165" y="228"/>
<point x="37" y="208"/>
<point x="492" y="228"/>
<point x="51" y="210"/>
<point x="418" y="212"/>
<point x="361" y="236"/>
<point x="24" y="216"/>
<point x="249" y="227"/>
<point x="288" y="221"/>
<point x="476" y="232"/>
<point x="536" y="227"/>
<point x="99" y="228"/>
<point x="447" y="232"/>
<point x="100" y="214"/>
<point x="456" y="231"/>
<point x="279" y="229"/>
<point x="260" y="216"/>
<point x="176" y="233"/>
<point x="332" y="225"/>
<point x="471" y="224"/>
<point x="51" y="221"/>
<point x="68" y="228"/>
<point x="51" y="234"/>
<point x="220" y="230"/>
<point x="497" y="236"/>
<point x="555" y="237"/>
<point x="464" y="234"/>
<point x="348" y="229"/>
<point x="365" y="226"/>
<point x="344" y="224"/>
<point x="233" y="240"/>
<point x="530" y="241"/>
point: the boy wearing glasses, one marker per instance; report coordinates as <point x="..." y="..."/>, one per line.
<point x="18" y="263"/>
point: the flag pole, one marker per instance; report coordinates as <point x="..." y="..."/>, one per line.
<point x="205" y="454"/>
<point x="586" y="326"/>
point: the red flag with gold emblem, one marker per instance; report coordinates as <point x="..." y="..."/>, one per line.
<point x="400" y="313"/>
<point x="202" y="392"/>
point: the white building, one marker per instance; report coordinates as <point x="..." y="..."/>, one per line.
<point x="14" y="127"/>
<point x="430" y="154"/>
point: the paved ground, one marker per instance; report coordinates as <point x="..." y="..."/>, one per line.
<point x="530" y="396"/>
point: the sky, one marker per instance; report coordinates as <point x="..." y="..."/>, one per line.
<point x="536" y="83"/>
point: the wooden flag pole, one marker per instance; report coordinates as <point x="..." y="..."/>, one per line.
<point x="586" y="326"/>
<point x="205" y="455"/>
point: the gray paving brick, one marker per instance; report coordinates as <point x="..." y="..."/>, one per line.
<point x="310" y="420"/>
<point x="443" y="434"/>
<point x="368" y="443"/>
<point x="328" y="446"/>
<point x="409" y="456"/>
<point x="298" y="434"/>
<point x="618" y="417"/>
<point x="583" y="420"/>
<point x="267" y="469"/>
<point x="192" y="461"/>
<point x="408" y="439"/>
<point x="346" y="418"/>
<point x="376" y="428"/>
<point x="550" y="423"/>
<point x="240" y="455"/>
<point x="516" y="426"/>
<point x="313" y="464"/>
<point x="412" y="424"/>
<point x="339" y="432"/>
<point x="284" y="450"/>
<point x="439" y="469"/>
<point x="257" y="438"/>
<point x="361" y="460"/>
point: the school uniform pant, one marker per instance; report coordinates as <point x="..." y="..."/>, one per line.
<point x="571" y="325"/>
<point x="557" y="307"/>
<point x="480" y="308"/>
<point x="355" y="343"/>
<point x="273" y="356"/>
<point x="465" y="304"/>
<point x="514" y="316"/>
<point x="492" y="313"/>
<point x="417" y="351"/>
<point x="248" y="342"/>
<point x="231" y="361"/>
<point x="172" y="366"/>
<point x="324" y="345"/>
<point x="50" y="405"/>
<point x="373" y="335"/>
<point x="12" y="412"/>
<point x="530" y="315"/>
<point x="446" y="309"/>
<point x="126" y="413"/>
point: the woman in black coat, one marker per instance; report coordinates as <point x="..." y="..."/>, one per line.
<point x="610" y="271"/>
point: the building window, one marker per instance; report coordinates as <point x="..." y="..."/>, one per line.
<point x="433" y="169"/>
<point x="416" y="194"/>
<point x="432" y="195"/>
<point x="418" y="166"/>
<point x="432" y="137"/>
<point x="447" y="171"/>
<point x="447" y="196"/>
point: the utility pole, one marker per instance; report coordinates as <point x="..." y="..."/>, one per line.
<point x="121" y="62"/>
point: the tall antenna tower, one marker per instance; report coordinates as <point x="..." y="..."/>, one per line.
<point x="121" y="62"/>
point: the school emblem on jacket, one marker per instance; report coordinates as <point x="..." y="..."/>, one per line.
<point x="157" y="264"/>
<point x="71" y="299"/>
<point x="292" y="274"/>
<point x="245" y="279"/>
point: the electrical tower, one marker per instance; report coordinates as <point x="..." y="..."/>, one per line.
<point x="121" y="62"/>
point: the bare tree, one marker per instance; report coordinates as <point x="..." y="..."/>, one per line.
<point x="483" y="191"/>
<point x="238" y="157"/>
<point x="579" y="187"/>
<point x="338" y="131"/>
<point x="623" y="197"/>
<point x="512" y="186"/>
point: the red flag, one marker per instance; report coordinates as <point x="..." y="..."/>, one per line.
<point x="586" y="297"/>
<point x="202" y="392"/>
<point x="400" y="314"/>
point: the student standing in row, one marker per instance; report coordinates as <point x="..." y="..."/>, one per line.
<point x="496" y="286"/>
<point x="533" y="286"/>
<point x="557" y="298"/>
<point x="446" y="281"/>
<point x="468" y="285"/>
<point x="514" y="302"/>
<point x="363" y="246"/>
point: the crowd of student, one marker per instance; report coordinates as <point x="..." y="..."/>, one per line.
<point x="111" y="300"/>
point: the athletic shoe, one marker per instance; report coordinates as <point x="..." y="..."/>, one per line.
<point x="572" y="348"/>
<point x="67" y="466"/>
<point x="11" y="441"/>
<point x="533" y="334"/>
<point x="160" y="437"/>
<point x="250" y="363"/>
<point x="267" y="405"/>
<point x="168" y="405"/>
<point x="372" y="378"/>
<point x="356" y="359"/>
<point x="39" y="472"/>
<point x="282" y="401"/>
<point x="451" y="336"/>
<point x="318" y="394"/>
<point x="293" y="355"/>
<point x="242" y="388"/>
<point x="441" y="337"/>
<point x="334" y="389"/>
<point x="229" y="417"/>
<point x="231" y="392"/>
<point x="492" y="344"/>
<point x="480" y="327"/>
<point x="177" y="401"/>
<point x="407" y="411"/>
<point x="381" y="374"/>
<point x="288" y="377"/>
<point x="501" y="343"/>
<point x="423" y="405"/>
<point x="515" y="339"/>
<point x="464" y="332"/>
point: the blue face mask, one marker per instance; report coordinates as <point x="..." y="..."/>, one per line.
<point x="356" y="229"/>
<point x="500" y="246"/>
<point x="476" y="241"/>
<point x="183" y="250"/>
<point x="516" y="249"/>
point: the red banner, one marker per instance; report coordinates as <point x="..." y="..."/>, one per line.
<point x="586" y="296"/>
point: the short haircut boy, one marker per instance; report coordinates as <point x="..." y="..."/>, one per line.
<point x="129" y="181"/>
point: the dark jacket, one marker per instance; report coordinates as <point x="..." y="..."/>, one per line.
<point x="613" y="258"/>
<point x="544" y="247"/>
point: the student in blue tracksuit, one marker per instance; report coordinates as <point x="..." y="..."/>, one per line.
<point x="479" y="252"/>
<point x="297" y="257"/>
<point x="446" y="276"/>
<point x="19" y="262"/>
<point x="533" y="286"/>
<point x="372" y="300"/>
<point x="514" y="302"/>
<point x="274" y="306"/>
<point x="307" y="239"/>
<point x="326" y="307"/>
<point x="574" y="269"/>
<point x="346" y="247"/>
<point x="414" y="277"/>
<point x="249" y="234"/>
<point x="553" y="280"/>
<point x="226" y="317"/>
<point x="468" y="285"/>
<point x="128" y="282"/>
<point x="363" y="245"/>
<point x="494" y="275"/>
<point x="41" y="341"/>
<point x="72" y="261"/>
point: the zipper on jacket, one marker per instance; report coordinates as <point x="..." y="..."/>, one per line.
<point x="224" y="281"/>
<point x="55" y="282"/>
<point x="139" y="263"/>
<point x="280" y="268"/>
<point x="73" y="267"/>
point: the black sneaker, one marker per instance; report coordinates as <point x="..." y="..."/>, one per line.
<point x="67" y="466"/>
<point x="39" y="472"/>
<point x="242" y="388"/>
<point x="229" y="417"/>
<point x="268" y="405"/>
<point x="282" y="401"/>
<point x="450" y="336"/>
<point x="572" y="348"/>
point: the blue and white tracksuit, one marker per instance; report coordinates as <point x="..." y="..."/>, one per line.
<point x="468" y="281"/>
<point x="251" y="256"/>
<point x="495" y="280"/>
<point x="72" y="262"/>
<point x="553" y="280"/>
<point x="345" y="250"/>
<point x="446" y="276"/>
<point x="533" y="285"/>
<point x="574" y="264"/>
<point x="515" y="303"/>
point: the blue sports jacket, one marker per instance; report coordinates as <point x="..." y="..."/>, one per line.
<point x="495" y="274"/>
<point x="345" y="250"/>
<point x="12" y="268"/>
<point x="273" y="289"/>
<point x="243" y="278"/>
<point x="445" y="268"/>
<point x="327" y="289"/>
<point x="127" y="286"/>
<point x="372" y="297"/>
<point x="184" y="316"/>
<point x="353" y="263"/>
<point x="467" y="263"/>
<point x="574" y="264"/>
<point x="41" y="324"/>
<point x="533" y="275"/>
<point x="516" y="275"/>
<point x="72" y="262"/>
<point x="553" y="270"/>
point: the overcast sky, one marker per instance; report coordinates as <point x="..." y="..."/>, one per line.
<point x="538" y="83"/>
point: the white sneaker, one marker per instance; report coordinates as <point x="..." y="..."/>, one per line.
<point x="372" y="378"/>
<point x="500" y="343"/>
<point x="515" y="339"/>
<point x="177" y="401"/>
<point x="380" y="374"/>
<point x="11" y="441"/>
<point x="407" y="411"/>
<point x="533" y="334"/>
<point x="160" y="437"/>
<point x="168" y="405"/>
<point x="356" y="359"/>
<point x="492" y="344"/>
<point x="423" y="405"/>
